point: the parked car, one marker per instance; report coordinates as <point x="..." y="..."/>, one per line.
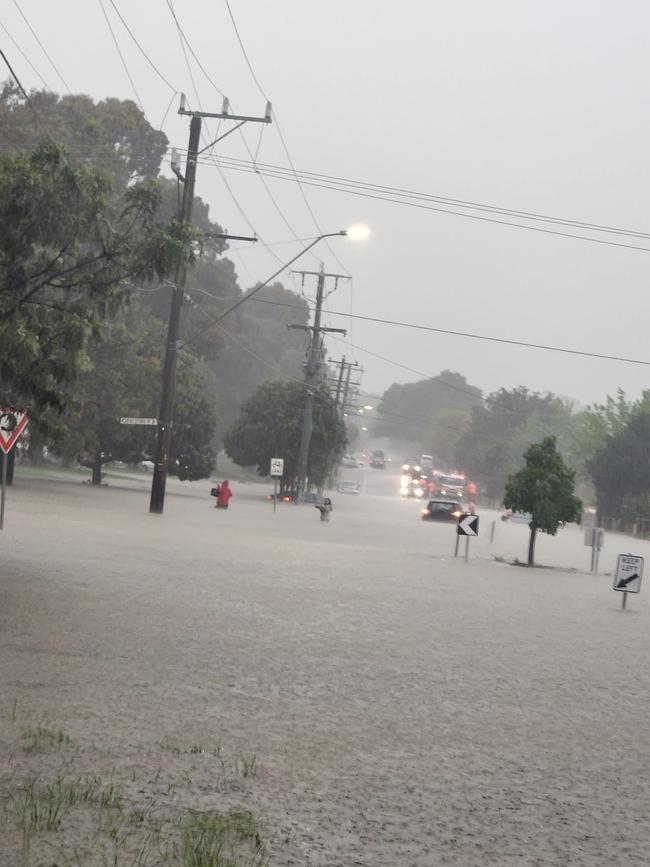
<point x="443" y="509"/>
<point x="347" y="486"/>
<point x="351" y="462"/>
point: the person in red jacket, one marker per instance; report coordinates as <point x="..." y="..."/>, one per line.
<point x="224" y="495"/>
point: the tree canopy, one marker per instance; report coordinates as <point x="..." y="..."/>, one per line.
<point x="408" y="412"/>
<point x="270" y="425"/>
<point x="121" y="377"/>
<point x="63" y="260"/>
<point x="543" y="488"/>
<point x="500" y="430"/>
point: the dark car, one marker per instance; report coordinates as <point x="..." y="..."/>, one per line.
<point x="442" y="509"/>
<point x="377" y="460"/>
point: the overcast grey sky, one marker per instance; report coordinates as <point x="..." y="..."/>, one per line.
<point x="529" y="105"/>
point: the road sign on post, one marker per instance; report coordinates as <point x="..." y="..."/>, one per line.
<point x="12" y="423"/>
<point x="140" y="421"/>
<point x="594" y="539"/>
<point x="277" y="468"/>
<point x="628" y="575"/>
<point x="467" y="526"/>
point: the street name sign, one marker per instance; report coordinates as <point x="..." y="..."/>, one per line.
<point x="12" y="423"/>
<point x="143" y="421"/>
<point x="629" y="572"/>
<point x="467" y="525"/>
<point x="277" y="466"/>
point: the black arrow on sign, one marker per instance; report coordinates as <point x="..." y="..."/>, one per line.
<point x="622" y="584"/>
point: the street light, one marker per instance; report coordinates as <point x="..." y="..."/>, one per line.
<point x="356" y="232"/>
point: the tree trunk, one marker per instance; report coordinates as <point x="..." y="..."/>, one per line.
<point x="531" y="546"/>
<point x="97" y="469"/>
<point x="35" y="451"/>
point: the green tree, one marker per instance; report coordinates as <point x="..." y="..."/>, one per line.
<point x="65" y="253"/>
<point x="112" y="135"/>
<point x="500" y="431"/>
<point x="598" y="422"/>
<point x="408" y="411"/>
<point x="122" y="377"/>
<point x="544" y="489"/>
<point x="621" y="468"/>
<point x="270" y="424"/>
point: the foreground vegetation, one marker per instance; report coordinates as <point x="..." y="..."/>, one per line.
<point x="54" y="813"/>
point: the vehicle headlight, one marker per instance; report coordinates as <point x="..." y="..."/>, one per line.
<point x="417" y="469"/>
<point x="419" y="492"/>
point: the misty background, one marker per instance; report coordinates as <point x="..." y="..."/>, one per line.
<point x="528" y="106"/>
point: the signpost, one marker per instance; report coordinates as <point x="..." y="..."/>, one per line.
<point x="467" y="526"/>
<point x="628" y="575"/>
<point x="277" y="469"/>
<point x="12" y="423"/>
<point x="594" y="539"/>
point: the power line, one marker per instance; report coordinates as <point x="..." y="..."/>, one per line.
<point x="233" y="166"/>
<point x="39" y="119"/>
<point x="446" y="200"/>
<point x="119" y="51"/>
<point x="280" y="134"/>
<point x="43" y="49"/>
<point x="25" y="57"/>
<point x="470" y="335"/>
<point x="212" y="159"/>
<point x="141" y="49"/>
<point x="216" y="161"/>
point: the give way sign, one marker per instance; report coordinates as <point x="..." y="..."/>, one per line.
<point x="12" y="423"/>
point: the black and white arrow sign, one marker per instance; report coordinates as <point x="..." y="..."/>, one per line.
<point x="629" y="572"/>
<point x="624" y="582"/>
<point x="467" y="525"/>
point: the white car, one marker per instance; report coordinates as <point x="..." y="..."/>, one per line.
<point x="347" y="486"/>
<point x="350" y="462"/>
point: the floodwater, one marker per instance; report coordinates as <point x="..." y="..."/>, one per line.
<point x="403" y="707"/>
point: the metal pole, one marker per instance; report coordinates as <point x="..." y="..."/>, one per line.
<point x="457" y="544"/>
<point x="492" y="529"/>
<point x="346" y="388"/>
<point x="275" y="492"/>
<point x="596" y="561"/>
<point x="311" y="375"/>
<point x="163" y="444"/>
<point x="466" y="548"/>
<point x="4" y="489"/>
<point x="624" y="601"/>
<point x="339" y="382"/>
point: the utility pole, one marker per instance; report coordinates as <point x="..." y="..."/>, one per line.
<point x="345" y="405"/>
<point x="339" y="381"/>
<point x="312" y="372"/>
<point x="163" y="443"/>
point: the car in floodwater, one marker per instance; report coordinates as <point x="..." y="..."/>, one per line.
<point x="443" y="509"/>
<point x="347" y="486"/>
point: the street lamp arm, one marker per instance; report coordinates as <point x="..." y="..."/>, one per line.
<point x="249" y="295"/>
